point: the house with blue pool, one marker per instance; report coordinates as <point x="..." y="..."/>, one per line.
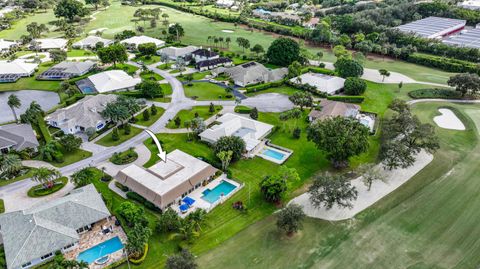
<point x="182" y="183"/>
<point x="73" y="225"/>
<point x="82" y="115"/>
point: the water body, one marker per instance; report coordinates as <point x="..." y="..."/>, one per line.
<point x="45" y="99"/>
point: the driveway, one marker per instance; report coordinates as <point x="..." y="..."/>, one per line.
<point x="269" y="102"/>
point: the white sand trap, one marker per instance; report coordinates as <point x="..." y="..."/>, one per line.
<point x="94" y="31"/>
<point x="448" y="120"/>
<point x="228" y="31"/>
<point x="366" y="198"/>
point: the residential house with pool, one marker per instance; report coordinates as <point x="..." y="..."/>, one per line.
<point x="182" y="183"/>
<point x="251" y="73"/>
<point x="108" y="81"/>
<point x="67" y="70"/>
<point x="133" y="42"/>
<point x="11" y="71"/>
<point x="75" y="225"/>
<point x="251" y="131"/>
<point x="322" y="83"/>
<point x="82" y="115"/>
<point x="174" y="53"/>
<point x="45" y="44"/>
<point x="90" y="42"/>
<point x="17" y="137"/>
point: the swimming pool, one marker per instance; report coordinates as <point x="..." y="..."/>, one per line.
<point x="224" y="188"/>
<point x="88" y="90"/>
<point x="108" y="247"/>
<point x="275" y="155"/>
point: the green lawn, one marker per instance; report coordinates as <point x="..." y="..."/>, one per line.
<point x="149" y="75"/>
<point x="140" y="121"/>
<point x="31" y="83"/>
<point x="130" y="69"/>
<point x="184" y="115"/>
<point x="196" y="76"/>
<point x="79" y="53"/>
<point x="285" y="89"/>
<point x="204" y="91"/>
<point x="6" y="182"/>
<point x="153" y="59"/>
<point x="429" y="222"/>
<point x="19" y="27"/>
<point x="107" y="140"/>
<point x="73" y="157"/>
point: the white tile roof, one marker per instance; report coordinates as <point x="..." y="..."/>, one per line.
<point x="251" y="131"/>
<point x="175" y="52"/>
<point x="5" y="44"/>
<point x="113" y="80"/>
<point x="17" y="67"/>
<point x="51" y="43"/>
<point x="323" y="83"/>
<point x="137" y="40"/>
<point x="91" y="41"/>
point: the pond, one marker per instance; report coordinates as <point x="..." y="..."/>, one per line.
<point x="45" y="99"/>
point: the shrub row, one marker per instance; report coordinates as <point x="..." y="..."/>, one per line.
<point x="264" y="86"/>
<point x="444" y="63"/>
<point x="347" y="99"/>
<point x="319" y="70"/>
<point x="137" y="197"/>
<point x="435" y="93"/>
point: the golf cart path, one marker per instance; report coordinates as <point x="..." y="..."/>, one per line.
<point x="379" y="189"/>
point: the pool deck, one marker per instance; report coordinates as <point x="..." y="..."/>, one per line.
<point x="95" y="237"/>
<point x="285" y="151"/>
<point x="198" y="193"/>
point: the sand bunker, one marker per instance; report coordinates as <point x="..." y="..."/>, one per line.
<point x="228" y="31"/>
<point x="448" y="120"/>
<point x="94" y="31"/>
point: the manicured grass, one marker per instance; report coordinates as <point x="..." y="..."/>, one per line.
<point x="39" y="190"/>
<point x="167" y="88"/>
<point x="19" y="27"/>
<point x="435" y="212"/>
<point x="153" y="59"/>
<point x="196" y="76"/>
<point x="130" y="69"/>
<point x="185" y="115"/>
<point x="204" y="91"/>
<point x="2" y="208"/>
<point x="107" y="140"/>
<point x="164" y="66"/>
<point x="149" y="75"/>
<point x="30" y="83"/>
<point x="79" y="53"/>
<point x="125" y="157"/>
<point x="73" y="157"/>
<point x="285" y="89"/>
<point x="153" y="118"/>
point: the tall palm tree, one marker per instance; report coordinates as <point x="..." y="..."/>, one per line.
<point x="46" y="176"/>
<point x="14" y="102"/>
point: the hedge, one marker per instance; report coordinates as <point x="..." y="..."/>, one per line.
<point x="347" y="99"/>
<point x="137" y="197"/>
<point x="116" y="264"/>
<point x="444" y="63"/>
<point x="141" y="259"/>
<point x="319" y="70"/>
<point x="435" y="93"/>
<point x="264" y="86"/>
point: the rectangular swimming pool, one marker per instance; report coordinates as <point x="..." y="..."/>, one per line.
<point x="222" y="189"/>
<point x="108" y="247"/>
<point x="277" y="155"/>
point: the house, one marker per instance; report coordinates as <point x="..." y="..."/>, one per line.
<point x="251" y="131"/>
<point x="323" y="83"/>
<point x="166" y="183"/>
<point x="17" y="137"/>
<point x="213" y="63"/>
<point x="45" y="44"/>
<point x="204" y="54"/>
<point x="34" y="235"/>
<point x="90" y="42"/>
<point x="312" y="23"/>
<point x="11" y="71"/>
<point x="177" y="52"/>
<point x="108" y="81"/>
<point x="82" y="115"/>
<point x="6" y="45"/>
<point x="252" y="73"/>
<point x="133" y="42"/>
<point x="225" y="3"/>
<point x="331" y="109"/>
<point x="470" y="4"/>
<point x="261" y="13"/>
<point x="67" y="70"/>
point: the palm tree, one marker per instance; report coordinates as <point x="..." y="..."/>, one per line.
<point x="115" y="112"/>
<point x="47" y="151"/>
<point x="130" y="104"/>
<point x="196" y="218"/>
<point x="188" y="125"/>
<point x="14" y="102"/>
<point x="46" y="176"/>
<point x="10" y="165"/>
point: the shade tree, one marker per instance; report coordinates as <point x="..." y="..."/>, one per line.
<point x="328" y="190"/>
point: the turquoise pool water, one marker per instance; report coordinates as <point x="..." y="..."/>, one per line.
<point x="92" y="254"/>
<point x="275" y="154"/>
<point x="214" y="194"/>
<point x="87" y="90"/>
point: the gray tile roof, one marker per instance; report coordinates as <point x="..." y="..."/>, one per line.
<point x="252" y="73"/>
<point x="47" y="227"/>
<point x="75" y="68"/>
<point x="20" y="136"/>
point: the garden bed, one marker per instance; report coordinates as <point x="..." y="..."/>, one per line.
<point x="40" y="191"/>
<point x="125" y="157"/>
